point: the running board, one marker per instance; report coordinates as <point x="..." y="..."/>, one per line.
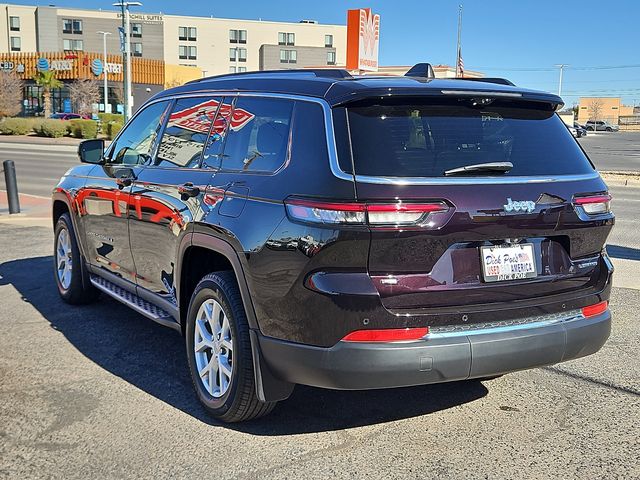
<point x="135" y="302"/>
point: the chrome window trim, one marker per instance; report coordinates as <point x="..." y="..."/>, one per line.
<point x="474" y="180"/>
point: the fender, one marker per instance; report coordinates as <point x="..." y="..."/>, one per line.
<point x="268" y="387"/>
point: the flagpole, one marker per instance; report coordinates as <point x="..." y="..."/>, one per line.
<point x="458" y="50"/>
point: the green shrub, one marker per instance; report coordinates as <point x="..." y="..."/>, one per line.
<point x="51" y="128"/>
<point x="83" y="128"/>
<point x="113" y="129"/>
<point x="16" y="126"/>
<point x="111" y="117"/>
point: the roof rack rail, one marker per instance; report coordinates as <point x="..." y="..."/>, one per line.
<point x="424" y="70"/>
<point x="497" y="80"/>
<point x="318" y="72"/>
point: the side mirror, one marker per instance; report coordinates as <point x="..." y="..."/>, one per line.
<point x="91" y="151"/>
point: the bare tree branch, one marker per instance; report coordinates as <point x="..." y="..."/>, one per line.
<point x="595" y="109"/>
<point x="84" y="94"/>
<point x="10" y="94"/>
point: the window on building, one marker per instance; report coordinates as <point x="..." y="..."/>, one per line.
<point x="136" y="30"/>
<point x="242" y="69"/>
<point x="14" y="24"/>
<point x="238" y="36"/>
<point x="187" y="52"/>
<point x="288" y="56"/>
<point x="328" y="41"/>
<point x="232" y="69"/>
<point x="259" y="134"/>
<point x="136" y="49"/>
<point x="331" y="58"/>
<point x="72" y="45"/>
<point x="71" y="25"/>
<point x="187" y="34"/>
<point x="16" y="44"/>
<point x="288" y="39"/>
<point x="238" y="54"/>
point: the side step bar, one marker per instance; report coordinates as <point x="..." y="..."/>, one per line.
<point x="135" y="302"/>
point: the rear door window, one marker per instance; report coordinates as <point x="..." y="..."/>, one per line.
<point x="424" y="139"/>
<point x="258" y="135"/>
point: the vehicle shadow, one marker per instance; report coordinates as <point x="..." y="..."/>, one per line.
<point x="625" y="253"/>
<point x="153" y="359"/>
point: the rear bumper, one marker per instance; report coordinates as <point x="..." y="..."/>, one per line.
<point x="439" y="357"/>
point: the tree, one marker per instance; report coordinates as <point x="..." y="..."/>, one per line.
<point x="118" y="93"/>
<point x="48" y="81"/>
<point x="84" y="94"/>
<point x="595" y="109"/>
<point x="10" y="94"/>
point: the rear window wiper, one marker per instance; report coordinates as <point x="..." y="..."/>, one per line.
<point x="501" y="167"/>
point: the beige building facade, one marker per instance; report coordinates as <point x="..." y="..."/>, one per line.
<point x="602" y="108"/>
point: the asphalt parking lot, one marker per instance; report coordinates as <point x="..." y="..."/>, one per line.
<point x="100" y="391"/>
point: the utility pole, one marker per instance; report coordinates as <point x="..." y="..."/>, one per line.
<point x="561" y="66"/>
<point x="459" y="49"/>
<point x="104" y="68"/>
<point x="127" y="55"/>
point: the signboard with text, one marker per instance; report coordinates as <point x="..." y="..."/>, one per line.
<point x="363" y="39"/>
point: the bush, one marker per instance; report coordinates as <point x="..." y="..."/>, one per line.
<point x="113" y="129"/>
<point x="111" y="117"/>
<point x="51" y="128"/>
<point x="16" y="126"/>
<point x="83" y="128"/>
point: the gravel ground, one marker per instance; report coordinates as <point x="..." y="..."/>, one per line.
<point x="99" y="391"/>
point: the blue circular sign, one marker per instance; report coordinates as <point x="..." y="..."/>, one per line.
<point x="43" y="65"/>
<point x="96" y="67"/>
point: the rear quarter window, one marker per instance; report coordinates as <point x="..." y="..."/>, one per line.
<point x="420" y="139"/>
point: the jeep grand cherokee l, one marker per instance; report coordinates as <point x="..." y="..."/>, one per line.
<point x="310" y="227"/>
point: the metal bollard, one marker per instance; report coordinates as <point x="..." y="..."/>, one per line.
<point x="12" y="186"/>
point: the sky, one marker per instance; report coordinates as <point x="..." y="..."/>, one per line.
<point x="521" y="40"/>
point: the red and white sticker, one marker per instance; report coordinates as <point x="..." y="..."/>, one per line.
<point x="198" y="118"/>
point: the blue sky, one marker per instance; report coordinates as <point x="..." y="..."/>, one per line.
<point x="517" y="39"/>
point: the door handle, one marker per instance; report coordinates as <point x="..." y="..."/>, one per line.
<point x="124" y="177"/>
<point x="188" y="190"/>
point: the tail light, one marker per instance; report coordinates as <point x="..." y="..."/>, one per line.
<point x="594" y="204"/>
<point x="596" y="309"/>
<point x="387" y="335"/>
<point x="386" y="215"/>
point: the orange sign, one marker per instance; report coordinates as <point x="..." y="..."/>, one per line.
<point x="363" y="38"/>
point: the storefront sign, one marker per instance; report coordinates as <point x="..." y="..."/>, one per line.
<point x="363" y="38"/>
<point x="45" y="65"/>
<point x="144" y="18"/>
<point x="10" y="66"/>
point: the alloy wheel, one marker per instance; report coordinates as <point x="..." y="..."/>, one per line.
<point x="213" y="347"/>
<point x="64" y="259"/>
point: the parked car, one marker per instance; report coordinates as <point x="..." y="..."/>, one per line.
<point x="69" y="116"/>
<point x="601" y="126"/>
<point x="310" y="227"/>
<point x="574" y="131"/>
<point x="581" y="131"/>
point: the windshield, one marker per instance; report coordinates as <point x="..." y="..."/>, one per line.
<point x="420" y="139"/>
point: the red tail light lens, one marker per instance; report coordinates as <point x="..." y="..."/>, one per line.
<point x="397" y="214"/>
<point x="596" y="309"/>
<point x="594" y="204"/>
<point x="387" y="335"/>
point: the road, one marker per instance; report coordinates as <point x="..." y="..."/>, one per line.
<point x="40" y="166"/>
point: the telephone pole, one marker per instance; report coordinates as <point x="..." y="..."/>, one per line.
<point x="561" y="66"/>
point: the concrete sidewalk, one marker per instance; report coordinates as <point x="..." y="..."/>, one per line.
<point x="34" y="210"/>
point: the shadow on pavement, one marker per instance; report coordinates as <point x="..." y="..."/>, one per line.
<point x="153" y="359"/>
<point x="625" y="253"/>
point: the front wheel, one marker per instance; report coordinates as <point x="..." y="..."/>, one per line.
<point x="609" y="129"/>
<point x="68" y="265"/>
<point x="219" y="351"/>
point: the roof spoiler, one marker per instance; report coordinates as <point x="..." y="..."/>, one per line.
<point x="423" y="70"/>
<point x="496" y="80"/>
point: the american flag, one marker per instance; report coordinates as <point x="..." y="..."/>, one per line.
<point x="460" y="65"/>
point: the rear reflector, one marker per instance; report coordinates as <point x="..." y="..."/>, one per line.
<point x="387" y="335"/>
<point x="594" y="204"/>
<point x="398" y="214"/>
<point x="596" y="309"/>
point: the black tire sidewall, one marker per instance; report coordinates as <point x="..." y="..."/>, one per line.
<point x="214" y="288"/>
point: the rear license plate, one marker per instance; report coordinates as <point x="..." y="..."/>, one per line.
<point x="508" y="262"/>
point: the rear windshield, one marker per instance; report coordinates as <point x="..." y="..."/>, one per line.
<point x="419" y="139"/>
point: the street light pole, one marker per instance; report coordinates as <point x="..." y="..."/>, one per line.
<point x="561" y="66"/>
<point x="127" y="55"/>
<point x="104" y="68"/>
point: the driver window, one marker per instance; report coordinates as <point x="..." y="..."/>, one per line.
<point x="135" y="144"/>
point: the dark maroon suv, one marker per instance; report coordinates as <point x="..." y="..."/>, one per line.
<point x="344" y="232"/>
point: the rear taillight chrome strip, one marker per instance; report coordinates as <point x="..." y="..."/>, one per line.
<point x="594" y="204"/>
<point x="385" y="215"/>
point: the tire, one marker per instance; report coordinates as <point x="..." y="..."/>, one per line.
<point x="216" y="306"/>
<point x="609" y="129"/>
<point x="68" y="265"/>
<point x="590" y="129"/>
